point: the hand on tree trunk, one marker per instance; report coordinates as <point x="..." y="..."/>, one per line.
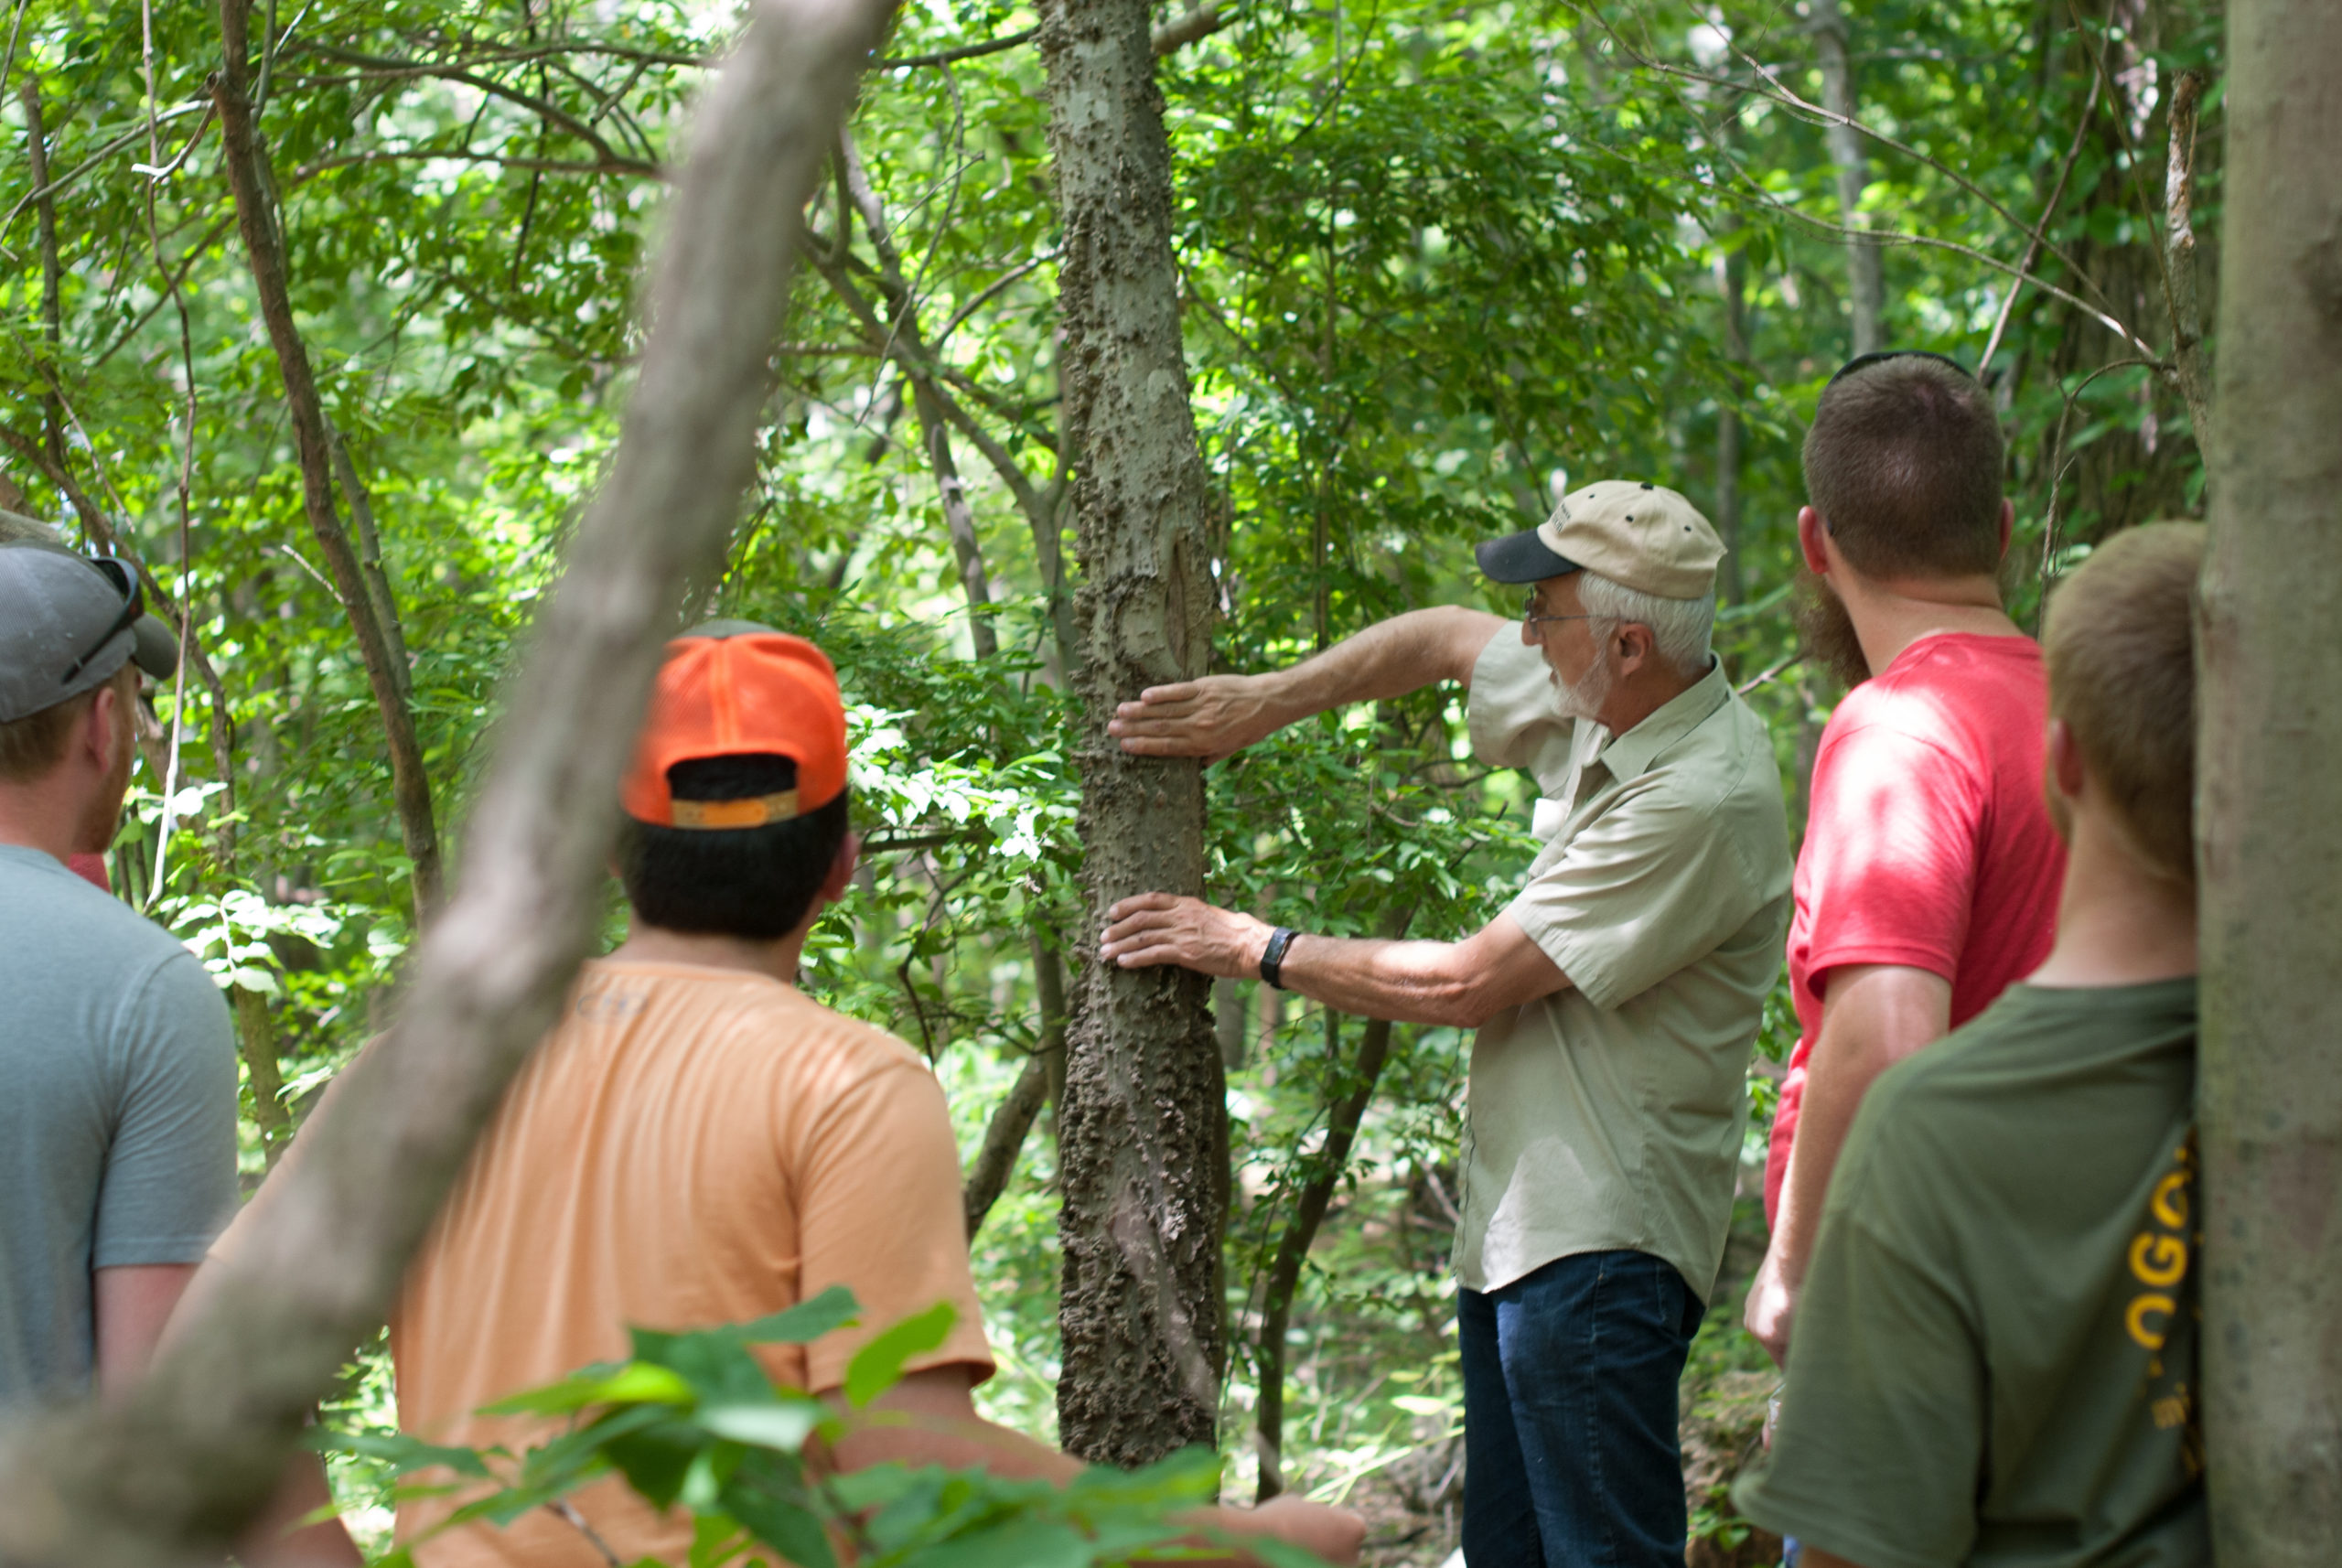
<point x="1209" y="718"/>
<point x="1158" y="928"/>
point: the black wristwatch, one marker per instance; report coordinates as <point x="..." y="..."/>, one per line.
<point x="1272" y="956"/>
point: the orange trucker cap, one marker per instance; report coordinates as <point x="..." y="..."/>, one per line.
<point x="733" y="688"/>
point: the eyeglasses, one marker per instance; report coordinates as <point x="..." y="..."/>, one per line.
<point x="1880" y="355"/>
<point x="1528" y="615"/>
<point x="134" y="605"/>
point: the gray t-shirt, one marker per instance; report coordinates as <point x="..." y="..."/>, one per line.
<point x="118" y="1119"/>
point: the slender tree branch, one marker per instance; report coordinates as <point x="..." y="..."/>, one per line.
<point x="169" y="1472"/>
<point x="965" y="51"/>
<point x="550" y="113"/>
<point x="1199" y="21"/>
<point x="1329" y="1167"/>
<point x="369" y="560"/>
<point x="247" y="177"/>
<point x="1769" y="86"/>
<point x="2033" y="243"/>
<point x="630" y="167"/>
<point x="2179" y="253"/>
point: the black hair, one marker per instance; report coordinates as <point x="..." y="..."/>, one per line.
<point x="752" y="883"/>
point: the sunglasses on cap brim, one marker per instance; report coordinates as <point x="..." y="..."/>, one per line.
<point x="1878" y="356"/>
<point x="134" y="605"/>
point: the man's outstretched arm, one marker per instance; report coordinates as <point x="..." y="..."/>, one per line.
<point x="1458" y="983"/>
<point x="1220" y="714"/>
<point x="929" y="1418"/>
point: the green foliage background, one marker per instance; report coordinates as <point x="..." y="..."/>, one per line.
<point x="1434" y="259"/>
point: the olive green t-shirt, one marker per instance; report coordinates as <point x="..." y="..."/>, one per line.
<point x="1994" y="1361"/>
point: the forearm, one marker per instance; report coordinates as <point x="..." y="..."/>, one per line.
<point x="1390" y="658"/>
<point x="1405" y="981"/>
<point x="1459" y="985"/>
<point x="958" y="1442"/>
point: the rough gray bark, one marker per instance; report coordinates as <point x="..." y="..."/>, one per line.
<point x="1143" y="1096"/>
<point x="2180" y="256"/>
<point x="1866" y="287"/>
<point x="168" y="1475"/>
<point x="2270" y="840"/>
<point x="249" y="180"/>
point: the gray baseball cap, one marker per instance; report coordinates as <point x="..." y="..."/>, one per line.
<point x="66" y="623"/>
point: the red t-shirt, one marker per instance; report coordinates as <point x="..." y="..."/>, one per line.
<point x="1927" y="842"/>
<point x="92" y="868"/>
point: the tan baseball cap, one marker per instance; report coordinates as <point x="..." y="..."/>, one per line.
<point x="1643" y="536"/>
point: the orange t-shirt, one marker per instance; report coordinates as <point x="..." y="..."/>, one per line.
<point x="690" y="1146"/>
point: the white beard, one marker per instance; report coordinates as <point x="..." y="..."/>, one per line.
<point x="1583" y="698"/>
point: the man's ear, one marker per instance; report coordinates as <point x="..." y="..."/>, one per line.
<point x="1636" y="645"/>
<point x="1812" y="540"/>
<point x="841" y="874"/>
<point x="103" y="729"/>
<point x="2008" y="522"/>
<point x="2063" y="756"/>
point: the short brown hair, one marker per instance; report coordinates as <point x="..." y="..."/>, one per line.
<point x="32" y="745"/>
<point x="2120" y="649"/>
<point x="1903" y="462"/>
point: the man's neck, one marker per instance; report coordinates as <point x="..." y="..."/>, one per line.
<point x="653" y="945"/>
<point x="40" y="816"/>
<point x="1634" y="700"/>
<point x="1890" y="616"/>
<point x="2118" y="924"/>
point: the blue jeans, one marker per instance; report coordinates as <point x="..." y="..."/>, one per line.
<point x="1571" y="1456"/>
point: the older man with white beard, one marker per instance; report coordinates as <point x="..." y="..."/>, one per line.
<point x="1617" y="997"/>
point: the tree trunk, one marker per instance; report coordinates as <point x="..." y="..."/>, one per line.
<point x="1865" y="288"/>
<point x="256" y="216"/>
<point x="2270" y="847"/>
<point x="168" y="1474"/>
<point x="1731" y="275"/>
<point x="1143" y="1096"/>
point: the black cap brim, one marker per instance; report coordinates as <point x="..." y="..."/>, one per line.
<point x="1522" y="558"/>
<point x="153" y="648"/>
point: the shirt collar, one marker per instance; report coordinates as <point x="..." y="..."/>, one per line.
<point x="1630" y="754"/>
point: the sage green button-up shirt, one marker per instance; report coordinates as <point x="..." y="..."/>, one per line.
<point x="1610" y="1114"/>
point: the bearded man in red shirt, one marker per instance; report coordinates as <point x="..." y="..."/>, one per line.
<point x="1929" y="878"/>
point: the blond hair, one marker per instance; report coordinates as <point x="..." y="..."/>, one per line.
<point x="2120" y="650"/>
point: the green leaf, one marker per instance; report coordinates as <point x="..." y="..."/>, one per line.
<point x="405" y="1455"/>
<point x="878" y="1366"/>
<point x="655" y="1460"/>
<point x="638" y="1382"/>
<point x="782" y="1423"/>
<point x="1019" y="1543"/>
<point x="834" y="1308"/>
<point x="789" y="1528"/>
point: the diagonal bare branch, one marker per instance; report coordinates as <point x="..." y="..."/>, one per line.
<point x="165" y="1474"/>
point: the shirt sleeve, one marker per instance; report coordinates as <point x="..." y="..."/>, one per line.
<point x="1515" y="719"/>
<point x="1649" y="887"/>
<point x="1896" y="822"/>
<point x="880" y="1214"/>
<point x="1880" y="1449"/>
<point x="171" y="1174"/>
